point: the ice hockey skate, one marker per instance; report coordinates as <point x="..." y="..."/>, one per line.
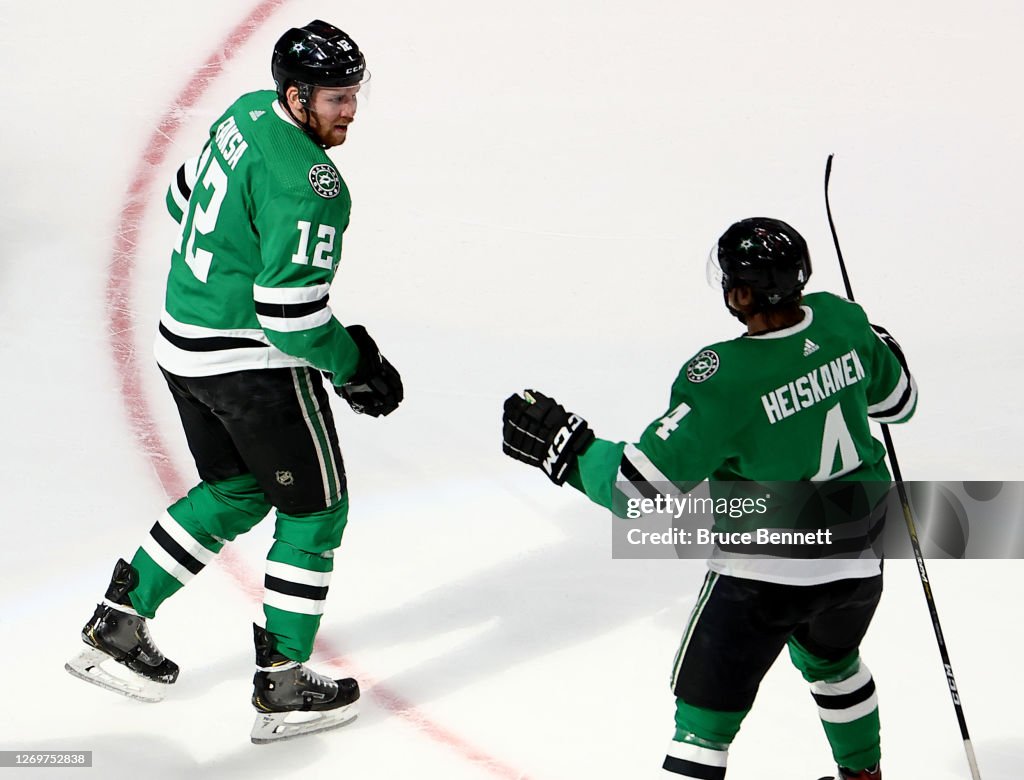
<point x="121" y="655"/>
<point x="291" y="700"/>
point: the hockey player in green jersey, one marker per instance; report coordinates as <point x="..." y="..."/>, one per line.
<point x="244" y="340"/>
<point x="787" y="401"/>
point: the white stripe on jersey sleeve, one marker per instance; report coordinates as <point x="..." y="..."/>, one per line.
<point x="643" y="464"/>
<point x="191" y="168"/>
<point x="292" y="324"/>
<point x="287" y="295"/>
<point x="893" y="397"/>
<point x="900" y="413"/>
<point x="178" y="196"/>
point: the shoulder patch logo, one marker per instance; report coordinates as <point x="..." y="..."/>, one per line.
<point x="702" y="367"/>
<point x="325" y="180"/>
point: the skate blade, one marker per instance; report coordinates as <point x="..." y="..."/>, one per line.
<point x="277" y="726"/>
<point x="89" y="665"/>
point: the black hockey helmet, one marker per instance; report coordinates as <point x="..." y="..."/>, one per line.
<point x="764" y="254"/>
<point x="317" y="55"/>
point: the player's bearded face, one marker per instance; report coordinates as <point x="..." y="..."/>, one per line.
<point x="331" y="111"/>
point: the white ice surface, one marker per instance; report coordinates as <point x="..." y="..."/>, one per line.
<point x="536" y="186"/>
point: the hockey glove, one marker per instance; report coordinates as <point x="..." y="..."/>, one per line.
<point x="537" y="430"/>
<point x="376" y="387"/>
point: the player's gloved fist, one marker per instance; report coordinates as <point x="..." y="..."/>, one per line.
<point x="376" y="387"/>
<point x="537" y="430"/>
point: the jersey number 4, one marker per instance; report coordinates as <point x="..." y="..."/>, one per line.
<point x="838" y="451"/>
<point x="670" y="421"/>
<point x="836" y="445"/>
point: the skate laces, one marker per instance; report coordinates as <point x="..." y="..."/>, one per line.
<point x="305" y="673"/>
<point x="150" y="648"/>
<point x="317" y="679"/>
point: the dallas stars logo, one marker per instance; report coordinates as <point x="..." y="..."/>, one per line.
<point x="325" y="181"/>
<point x="746" y="243"/>
<point x="298" y="48"/>
<point x="702" y="367"/>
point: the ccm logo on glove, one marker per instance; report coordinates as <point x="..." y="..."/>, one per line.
<point x="539" y="431"/>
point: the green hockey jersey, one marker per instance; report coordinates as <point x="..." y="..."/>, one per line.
<point x="261" y="211"/>
<point x="787" y="406"/>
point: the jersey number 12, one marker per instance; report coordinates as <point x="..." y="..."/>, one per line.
<point x="204" y="218"/>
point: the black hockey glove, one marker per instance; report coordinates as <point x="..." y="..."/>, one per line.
<point x="376" y="387"/>
<point x="537" y="430"/>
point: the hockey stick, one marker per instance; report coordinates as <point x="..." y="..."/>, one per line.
<point x="911" y="527"/>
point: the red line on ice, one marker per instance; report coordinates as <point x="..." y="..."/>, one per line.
<point x="123" y="348"/>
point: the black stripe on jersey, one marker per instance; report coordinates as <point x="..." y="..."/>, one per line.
<point x="893" y="346"/>
<point x="183" y="187"/>
<point x="291" y="309"/>
<point x="175" y="550"/>
<point x="845" y="700"/>
<point x="692" y="769"/>
<point x="210" y="343"/>
<point x="900" y="406"/>
<point x="632" y="473"/>
<point x="288" y="588"/>
<point x="897" y="408"/>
